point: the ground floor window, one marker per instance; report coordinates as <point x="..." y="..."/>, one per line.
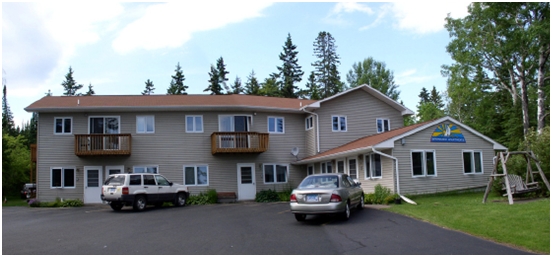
<point x="310" y="170"/>
<point x="275" y="173"/>
<point x="62" y="177"/>
<point x="340" y="166"/>
<point x="423" y="163"/>
<point x="326" y="167"/>
<point x="473" y="162"/>
<point x="196" y="175"/>
<point x="372" y="167"/>
<point x="146" y="169"/>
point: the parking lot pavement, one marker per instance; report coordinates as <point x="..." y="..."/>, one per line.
<point x="240" y="228"/>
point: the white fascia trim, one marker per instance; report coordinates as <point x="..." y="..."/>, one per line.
<point x="338" y="155"/>
<point x="162" y="108"/>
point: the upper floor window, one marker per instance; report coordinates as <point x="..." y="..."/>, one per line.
<point x="234" y="123"/>
<point x="473" y="162"/>
<point x="372" y="167"/>
<point x="275" y="173"/>
<point x="104" y="125"/>
<point x="194" y="124"/>
<point x="63" y="125"/>
<point x="62" y="177"/>
<point x="383" y="125"/>
<point x="196" y="175"/>
<point x="423" y="163"/>
<point x="339" y="123"/>
<point x="276" y="125"/>
<point x="146" y="169"/>
<point x="145" y="124"/>
<point x="309" y="123"/>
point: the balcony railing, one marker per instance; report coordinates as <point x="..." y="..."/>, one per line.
<point x="102" y="144"/>
<point x="239" y="142"/>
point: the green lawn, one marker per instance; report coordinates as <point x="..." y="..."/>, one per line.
<point x="524" y="225"/>
<point x="13" y="200"/>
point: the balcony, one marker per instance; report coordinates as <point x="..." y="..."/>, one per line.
<point x="239" y="142"/>
<point x="102" y="144"/>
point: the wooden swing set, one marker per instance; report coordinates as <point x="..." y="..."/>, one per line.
<point x="514" y="184"/>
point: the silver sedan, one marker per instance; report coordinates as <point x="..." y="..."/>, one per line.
<point x="326" y="193"/>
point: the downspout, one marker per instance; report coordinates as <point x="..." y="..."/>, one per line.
<point x="397" y="174"/>
<point x="317" y="130"/>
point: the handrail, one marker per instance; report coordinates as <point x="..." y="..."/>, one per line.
<point x="239" y="142"/>
<point x="103" y="144"/>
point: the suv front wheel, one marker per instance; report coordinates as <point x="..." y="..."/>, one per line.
<point x="139" y="203"/>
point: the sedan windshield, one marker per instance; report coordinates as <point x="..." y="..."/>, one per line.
<point x="320" y="182"/>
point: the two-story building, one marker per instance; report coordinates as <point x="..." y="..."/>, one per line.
<point x="244" y="144"/>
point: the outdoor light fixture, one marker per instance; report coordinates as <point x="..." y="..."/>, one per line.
<point x="403" y="141"/>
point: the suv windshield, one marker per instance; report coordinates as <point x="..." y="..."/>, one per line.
<point x="115" y="180"/>
<point x="320" y="182"/>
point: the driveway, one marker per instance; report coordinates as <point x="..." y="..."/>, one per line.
<point x="241" y="228"/>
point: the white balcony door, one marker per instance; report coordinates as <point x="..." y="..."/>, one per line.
<point x="234" y="123"/>
<point x="246" y="181"/>
<point x="92" y="184"/>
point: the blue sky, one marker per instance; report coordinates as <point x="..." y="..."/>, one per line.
<point x="118" y="46"/>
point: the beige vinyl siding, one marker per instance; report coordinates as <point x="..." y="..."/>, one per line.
<point x="310" y="138"/>
<point x="449" y="164"/>
<point x="361" y="110"/>
<point x="170" y="148"/>
<point x="387" y="174"/>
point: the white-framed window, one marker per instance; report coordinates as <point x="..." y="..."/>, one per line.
<point x="423" y="163"/>
<point x="63" y="125"/>
<point x="383" y="125"/>
<point x="62" y="177"/>
<point x="353" y="168"/>
<point x="310" y="169"/>
<point x="194" y="123"/>
<point x="146" y="169"/>
<point x="110" y="170"/>
<point x="309" y="123"/>
<point x="473" y="161"/>
<point x="372" y="166"/>
<point x="145" y="124"/>
<point x="276" y="125"/>
<point x="275" y="173"/>
<point x="196" y="175"/>
<point x="339" y="123"/>
<point x="340" y="166"/>
<point x="326" y="167"/>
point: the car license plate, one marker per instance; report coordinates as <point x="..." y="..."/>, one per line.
<point x="312" y="198"/>
<point x="112" y="189"/>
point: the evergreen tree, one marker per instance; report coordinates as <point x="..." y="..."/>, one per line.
<point x="222" y="72"/>
<point x="327" y="75"/>
<point x="177" y="86"/>
<point x="252" y="85"/>
<point x="424" y="96"/>
<point x="290" y="71"/>
<point x="312" y="90"/>
<point x="237" y="86"/>
<point x="436" y="98"/>
<point x="271" y="86"/>
<point x="90" y="90"/>
<point x="149" y="88"/>
<point x="70" y="85"/>
<point x="430" y="106"/>
<point x="29" y="129"/>
<point x="374" y="74"/>
<point x="214" y="85"/>
<point x="7" y="116"/>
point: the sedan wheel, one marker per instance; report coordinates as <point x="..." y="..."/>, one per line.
<point x="180" y="200"/>
<point x="300" y="217"/>
<point x="360" y="205"/>
<point x="347" y="213"/>
<point x="140" y="203"/>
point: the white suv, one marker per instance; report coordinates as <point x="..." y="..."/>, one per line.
<point x="140" y="189"/>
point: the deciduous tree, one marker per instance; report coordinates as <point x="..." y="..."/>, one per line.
<point x="374" y="74"/>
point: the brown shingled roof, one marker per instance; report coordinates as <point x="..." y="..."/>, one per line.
<point x="50" y="103"/>
<point x="364" y="142"/>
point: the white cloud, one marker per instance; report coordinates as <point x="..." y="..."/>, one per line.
<point x="172" y="24"/>
<point x="426" y="17"/>
<point x="411" y="77"/>
<point x="336" y="14"/>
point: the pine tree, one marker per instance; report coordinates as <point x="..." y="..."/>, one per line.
<point x="313" y="91"/>
<point x="214" y="85"/>
<point x="326" y="73"/>
<point x="7" y="116"/>
<point x="252" y="85"/>
<point x="424" y="96"/>
<point x="149" y="88"/>
<point x="436" y="99"/>
<point x="271" y="86"/>
<point x="222" y="72"/>
<point x="70" y="85"/>
<point x="237" y="86"/>
<point x="90" y="90"/>
<point x="290" y="71"/>
<point x="177" y="86"/>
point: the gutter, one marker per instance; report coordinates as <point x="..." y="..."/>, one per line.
<point x="317" y="130"/>
<point x="397" y="174"/>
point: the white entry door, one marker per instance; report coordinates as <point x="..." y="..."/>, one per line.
<point x="246" y="181"/>
<point x="92" y="184"/>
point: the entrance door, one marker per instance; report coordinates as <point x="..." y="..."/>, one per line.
<point x="246" y="181"/>
<point x="92" y="184"/>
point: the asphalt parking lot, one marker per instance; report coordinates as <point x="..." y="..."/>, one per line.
<point x="241" y="228"/>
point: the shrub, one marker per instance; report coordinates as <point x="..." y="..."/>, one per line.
<point x="56" y="203"/>
<point x="72" y="203"/>
<point x="370" y="198"/>
<point x="265" y="196"/>
<point x="381" y="195"/>
<point x="208" y="197"/>
<point x="34" y="203"/>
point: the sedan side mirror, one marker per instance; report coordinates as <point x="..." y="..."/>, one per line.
<point x="358" y="184"/>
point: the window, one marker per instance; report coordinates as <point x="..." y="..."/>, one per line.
<point x="146" y="169"/>
<point x="353" y="168"/>
<point x="310" y="169"/>
<point x="63" y="125"/>
<point x="196" y="175"/>
<point x="275" y="173"/>
<point x="326" y="167"/>
<point x="383" y="125"/>
<point x="339" y="123"/>
<point x="423" y="163"/>
<point x="62" y="178"/>
<point x="104" y="125"/>
<point x="135" y="180"/>
<point x="309" y="123"/>
<point x="276" y="125"/>
<point x="340" y="166"/>
<point x="473" y="162"/>
<point x="372" y="167"/>
<point x="145" y="124"/>
<point x="194" y="124"/>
